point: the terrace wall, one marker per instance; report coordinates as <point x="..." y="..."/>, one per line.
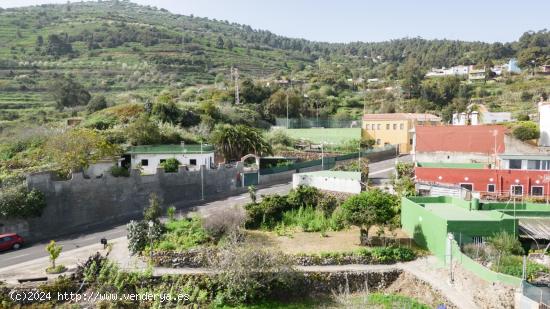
<point x="81" y="204"/>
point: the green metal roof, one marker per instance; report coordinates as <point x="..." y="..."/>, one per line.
<point x="170" y="149"/>
<point x="335" y="174"/>
<point x="452" y="165"/>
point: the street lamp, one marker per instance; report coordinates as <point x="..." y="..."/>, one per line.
<point x="151" y="225"/>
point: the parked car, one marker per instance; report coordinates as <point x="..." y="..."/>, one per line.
<point x="10" y="241"/>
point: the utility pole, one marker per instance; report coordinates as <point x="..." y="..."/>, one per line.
<point x="235" y="77"/>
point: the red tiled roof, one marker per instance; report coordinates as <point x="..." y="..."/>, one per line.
<point x="473" y="139"/>
<point x="401" y="116"/>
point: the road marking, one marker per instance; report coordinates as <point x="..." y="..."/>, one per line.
<point x="17" y="256"/>
<point x="381" y="171"/>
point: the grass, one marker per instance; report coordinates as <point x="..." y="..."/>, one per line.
<point x="183" y="234"/>
<point x="361" y="300"/>
<point x="330" y="136"/>
<point x="308" y="219"/>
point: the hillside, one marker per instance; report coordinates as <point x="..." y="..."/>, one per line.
<point x="130" y="52"/>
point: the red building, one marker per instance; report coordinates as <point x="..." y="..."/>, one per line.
<point x="489" y="182"/>
<point x="482" y="159"/>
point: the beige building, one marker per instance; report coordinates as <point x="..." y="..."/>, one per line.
<point x="395" y="129"/>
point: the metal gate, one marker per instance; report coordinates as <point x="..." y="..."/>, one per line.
<point x="250" y="179"/>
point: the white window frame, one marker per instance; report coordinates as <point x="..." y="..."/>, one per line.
<point x="512" y="190"/>
<point x="466" y="183"/>
<point x="542" y="187"/>
<point x="494" y="188"/>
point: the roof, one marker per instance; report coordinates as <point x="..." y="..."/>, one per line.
<point x="401" y="116"/>
<point x="526" y="156"/>
<point x="170" y="149"/>
<point x="451" y="165"/>
<point x="334" y="174"/>
<point x="451" y="212"/>
<point x="537" y="228"/>
<point x="469" y="139"/>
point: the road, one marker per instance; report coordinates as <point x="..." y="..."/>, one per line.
<point x="377" y="171"/>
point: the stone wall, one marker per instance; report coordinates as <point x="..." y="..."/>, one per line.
<point x="80" y="204"/>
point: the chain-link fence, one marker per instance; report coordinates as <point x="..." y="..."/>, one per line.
<point x="306" y="123"/>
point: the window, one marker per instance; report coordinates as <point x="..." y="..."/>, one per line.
<point x="378" y="142"/>
<point x="144" y="162"/>
<point x="193" y="162"/>
<point x="467" y="186"/>
<point x="401" y="126"/>
<point x="387" y="126"/>
<point x="373" y="126"/>
<point x="410" y="141"/>
<point x="491" y="188"/>
<point x="395" y="126"/>
<point x="514" y="164"/>
<point x="537" y="191"/>
<point x="378" y="126"/>
<point x="516" y="190"/>
<point x="545" y="165"/>
<point x="533" y="164"/>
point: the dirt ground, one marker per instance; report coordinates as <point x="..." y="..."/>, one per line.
<point x="302" y="242"/>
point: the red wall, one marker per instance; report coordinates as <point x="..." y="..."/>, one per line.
<point x="480" y="178"/>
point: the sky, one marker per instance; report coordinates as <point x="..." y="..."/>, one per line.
<point x="367" y="20"/>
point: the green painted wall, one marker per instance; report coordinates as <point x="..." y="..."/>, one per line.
<point x="428" y="230"/>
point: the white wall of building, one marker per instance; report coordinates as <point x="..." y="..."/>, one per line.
<point x="544" y="123"/>
<point x="489" y="117"/>
<point x="327" y="183"/>
<point x="452" y="157"/>
<point x="153" y="161"/>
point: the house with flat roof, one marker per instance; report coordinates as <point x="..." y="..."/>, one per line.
<point x="337" y="181"/>
<point x="149" y="157"/>
<point x="395" y="129"/>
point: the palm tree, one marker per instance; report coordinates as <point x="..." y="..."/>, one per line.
<point x="236" y="141"/>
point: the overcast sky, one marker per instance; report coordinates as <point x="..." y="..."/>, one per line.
<point x="367" y="20"/>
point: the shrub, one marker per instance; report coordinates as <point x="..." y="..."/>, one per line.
<point x="97" y="103"/>
<point x="16" y="201"/>
<point x="119" y="171"/>
<point x="184" y="234"/>
<point x="171" y="165"/>
<point x="303" y="196"/>
<point x="100" y="122"/>
<point x="171" y="213"/>
<point x="266" y="213"/>
<point x="327" y="204"/>
<point x="224" y="221"/>
<point x="137" y="236"/>
<point x="513" y="265"/>
<point x="505" y="244"/>
<point x="526" y="130"/>
<point x="307" y="218"/>
<point x="249" y="273"/>
<point x="279" y="137"/>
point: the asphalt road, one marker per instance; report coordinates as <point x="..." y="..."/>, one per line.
<point x="378" y="170"/>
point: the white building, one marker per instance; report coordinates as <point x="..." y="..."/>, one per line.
<point x="148" y="158"/>
<point x="458" y="70"/>
<point x="513" y="66"/>
<point x="544" y="123"/>
<point x="337" y="181"/>
<point x="483" y="116"/>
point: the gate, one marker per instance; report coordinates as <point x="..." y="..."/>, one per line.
<point x="250" y="179"/>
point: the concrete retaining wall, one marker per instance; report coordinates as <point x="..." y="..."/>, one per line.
<point x="79" y="204"/>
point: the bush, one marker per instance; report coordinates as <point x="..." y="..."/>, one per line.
<point x="100" y="122"/>
<point x="526" y="130"/>
<point x="513" y="265"/>
<point x="267" y="213"/>
<point x="249" y="273"/>
<point x="279" y="137"/>
<point x="307" y="218"/>
<point x="137" y="236"/>
<point x="119" y="171"/>
<point x="327" y="204"/>
<point x="171" y="165"/>
<point x="303" y="196"/>
<point x="223" y="222"/>
<point x="505" y="244"/>
<point x="183" y="234"/>
<point x="16" y="201"/>
<point x="97" y="103"/>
